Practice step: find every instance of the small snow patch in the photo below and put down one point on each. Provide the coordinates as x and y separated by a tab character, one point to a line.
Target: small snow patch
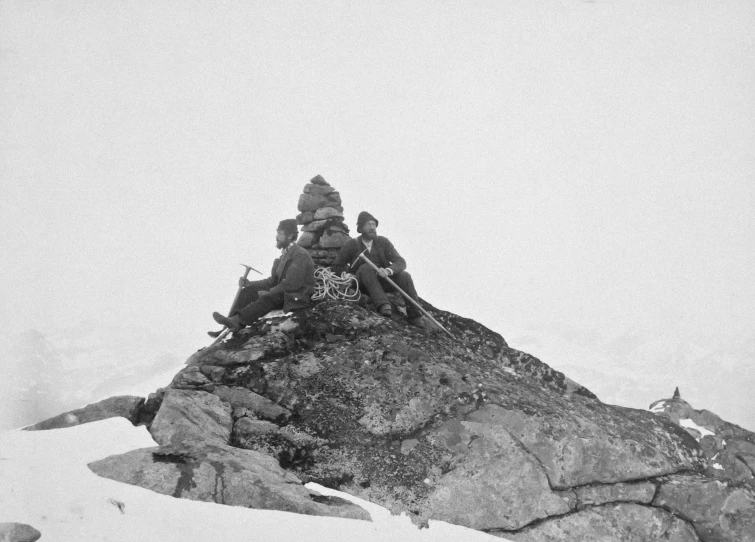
659	406
717	466
689	424
276	314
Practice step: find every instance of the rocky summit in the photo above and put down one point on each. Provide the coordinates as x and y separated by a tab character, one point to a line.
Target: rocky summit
465	430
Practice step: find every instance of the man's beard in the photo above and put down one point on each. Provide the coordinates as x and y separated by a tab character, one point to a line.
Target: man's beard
282	244
370	235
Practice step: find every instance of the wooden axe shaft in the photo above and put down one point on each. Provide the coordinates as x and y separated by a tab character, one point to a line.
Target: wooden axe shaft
407	296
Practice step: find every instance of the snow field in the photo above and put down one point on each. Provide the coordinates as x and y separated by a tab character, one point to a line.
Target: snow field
45	482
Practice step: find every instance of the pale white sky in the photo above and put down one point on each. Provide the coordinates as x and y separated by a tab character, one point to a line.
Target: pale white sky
533	161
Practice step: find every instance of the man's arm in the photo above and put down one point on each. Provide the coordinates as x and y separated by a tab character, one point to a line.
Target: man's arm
345	258
398	263
262	284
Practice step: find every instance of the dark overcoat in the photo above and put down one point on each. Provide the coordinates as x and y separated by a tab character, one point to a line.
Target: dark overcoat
383	254
293	275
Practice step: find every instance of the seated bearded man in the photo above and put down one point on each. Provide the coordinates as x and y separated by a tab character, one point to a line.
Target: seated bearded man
380	251
289	286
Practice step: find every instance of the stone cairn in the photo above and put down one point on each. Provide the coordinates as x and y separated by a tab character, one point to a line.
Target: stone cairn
323	231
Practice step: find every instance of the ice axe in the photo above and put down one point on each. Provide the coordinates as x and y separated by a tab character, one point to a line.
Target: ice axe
222	333
408	298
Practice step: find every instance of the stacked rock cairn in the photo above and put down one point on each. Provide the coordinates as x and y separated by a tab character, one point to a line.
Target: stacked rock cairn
323	230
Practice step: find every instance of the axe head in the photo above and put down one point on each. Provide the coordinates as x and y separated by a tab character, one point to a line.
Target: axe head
357	258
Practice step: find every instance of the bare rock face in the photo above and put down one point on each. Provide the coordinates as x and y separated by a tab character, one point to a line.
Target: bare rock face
499	485
18	532
190	417
611	523
580	445
642	492
288	444
247	403
719	511
224	475
191	378
126	406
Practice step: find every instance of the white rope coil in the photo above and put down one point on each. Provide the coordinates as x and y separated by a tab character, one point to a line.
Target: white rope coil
328	284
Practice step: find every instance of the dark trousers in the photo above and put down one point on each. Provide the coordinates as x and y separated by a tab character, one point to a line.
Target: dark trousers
250	306
376	287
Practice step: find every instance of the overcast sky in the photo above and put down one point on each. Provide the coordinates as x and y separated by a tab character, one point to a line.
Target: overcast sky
535	162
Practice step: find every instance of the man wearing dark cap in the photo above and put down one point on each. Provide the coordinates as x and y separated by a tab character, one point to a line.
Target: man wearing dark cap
380	251
289	287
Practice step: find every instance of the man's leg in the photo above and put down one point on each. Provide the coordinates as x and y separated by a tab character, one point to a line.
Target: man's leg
368	280
404	281
260	307
248	294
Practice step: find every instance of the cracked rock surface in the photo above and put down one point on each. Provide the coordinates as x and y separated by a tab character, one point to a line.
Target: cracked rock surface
221	474
611	523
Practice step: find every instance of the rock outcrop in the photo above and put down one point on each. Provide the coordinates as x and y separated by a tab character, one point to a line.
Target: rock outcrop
719	511
18	532
189	417
126	406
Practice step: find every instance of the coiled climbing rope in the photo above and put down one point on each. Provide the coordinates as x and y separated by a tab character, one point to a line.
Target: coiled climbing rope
328	284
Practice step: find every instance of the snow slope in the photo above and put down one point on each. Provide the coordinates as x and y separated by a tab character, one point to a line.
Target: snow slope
45	482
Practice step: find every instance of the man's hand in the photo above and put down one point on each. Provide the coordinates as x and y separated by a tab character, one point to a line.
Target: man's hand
263	293
244	282
384	273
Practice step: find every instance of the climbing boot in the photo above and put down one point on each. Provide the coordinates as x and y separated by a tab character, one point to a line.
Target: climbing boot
417	321
233	323
385	310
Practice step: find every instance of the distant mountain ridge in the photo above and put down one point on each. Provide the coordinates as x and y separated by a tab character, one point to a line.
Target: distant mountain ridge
49	371
633	367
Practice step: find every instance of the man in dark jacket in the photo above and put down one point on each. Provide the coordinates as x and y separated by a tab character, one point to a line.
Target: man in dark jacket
381	252
289	287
